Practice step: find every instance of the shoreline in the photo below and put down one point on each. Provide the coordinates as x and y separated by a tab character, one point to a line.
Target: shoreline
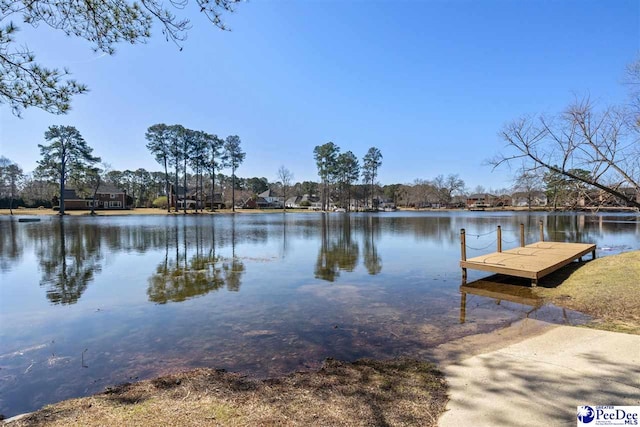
441	356
451	375
155	211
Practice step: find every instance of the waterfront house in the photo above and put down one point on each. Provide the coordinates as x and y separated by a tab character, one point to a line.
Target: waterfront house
481	200
108	197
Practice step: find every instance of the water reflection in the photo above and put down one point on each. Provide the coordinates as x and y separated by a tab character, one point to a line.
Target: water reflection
68	263
338	250
194	269
11	246
500	288
370	235
70	251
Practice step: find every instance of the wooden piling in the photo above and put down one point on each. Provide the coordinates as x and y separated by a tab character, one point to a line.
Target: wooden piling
541	231
463	252
499	239
522	235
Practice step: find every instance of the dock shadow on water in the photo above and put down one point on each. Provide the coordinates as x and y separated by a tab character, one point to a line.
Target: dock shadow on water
515	293
92	302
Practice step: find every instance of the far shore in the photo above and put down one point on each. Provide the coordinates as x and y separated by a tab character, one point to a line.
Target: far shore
157	211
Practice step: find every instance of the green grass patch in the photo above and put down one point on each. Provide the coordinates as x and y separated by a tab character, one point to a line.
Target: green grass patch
608	289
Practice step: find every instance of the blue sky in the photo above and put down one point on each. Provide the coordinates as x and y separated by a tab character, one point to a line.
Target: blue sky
430	83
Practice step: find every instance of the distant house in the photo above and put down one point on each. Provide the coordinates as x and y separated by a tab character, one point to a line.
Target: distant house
603	198
303	201
107	197
195	198
264	200
384	204
293	202
271	200
355	205
191	203
218	201
254	203
528	199
481	200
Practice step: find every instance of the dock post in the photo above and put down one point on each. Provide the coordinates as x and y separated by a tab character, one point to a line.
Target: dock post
522	235
499	239
463	252
541	231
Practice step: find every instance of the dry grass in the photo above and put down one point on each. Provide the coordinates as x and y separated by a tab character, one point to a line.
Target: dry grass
607	288
364	393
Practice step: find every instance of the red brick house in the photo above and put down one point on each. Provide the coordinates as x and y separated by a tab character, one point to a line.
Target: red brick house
108	197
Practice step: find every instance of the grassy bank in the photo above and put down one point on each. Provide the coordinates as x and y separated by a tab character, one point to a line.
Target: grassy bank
363	393
607	288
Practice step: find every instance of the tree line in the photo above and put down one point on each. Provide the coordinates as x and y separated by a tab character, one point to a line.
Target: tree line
182	149
338	173
196	159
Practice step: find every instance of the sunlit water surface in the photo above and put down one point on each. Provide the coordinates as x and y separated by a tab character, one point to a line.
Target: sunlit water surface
90	302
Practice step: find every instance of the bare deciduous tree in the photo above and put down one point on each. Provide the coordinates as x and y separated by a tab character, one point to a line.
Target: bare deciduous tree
285	177
528	182
446	187
605	143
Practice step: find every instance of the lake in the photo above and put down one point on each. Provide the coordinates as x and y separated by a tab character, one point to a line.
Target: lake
90	302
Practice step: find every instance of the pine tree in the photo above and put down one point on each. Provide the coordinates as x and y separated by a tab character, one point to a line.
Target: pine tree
67	153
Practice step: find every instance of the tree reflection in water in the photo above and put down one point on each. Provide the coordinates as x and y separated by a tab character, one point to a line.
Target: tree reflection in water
371	231
194	271
68	263
11	247
336	254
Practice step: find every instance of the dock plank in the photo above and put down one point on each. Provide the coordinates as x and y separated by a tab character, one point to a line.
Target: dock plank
531	261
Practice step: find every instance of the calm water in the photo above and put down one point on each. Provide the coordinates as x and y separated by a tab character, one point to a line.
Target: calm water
90	302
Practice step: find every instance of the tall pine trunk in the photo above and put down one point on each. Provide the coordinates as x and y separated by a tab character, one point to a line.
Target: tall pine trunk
233	189
175	188
61	211
184	183
213	186
95	192
166	185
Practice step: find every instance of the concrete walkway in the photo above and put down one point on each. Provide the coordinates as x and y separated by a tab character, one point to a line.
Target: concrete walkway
538	376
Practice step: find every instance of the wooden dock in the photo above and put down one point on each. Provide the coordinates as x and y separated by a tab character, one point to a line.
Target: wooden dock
529	261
